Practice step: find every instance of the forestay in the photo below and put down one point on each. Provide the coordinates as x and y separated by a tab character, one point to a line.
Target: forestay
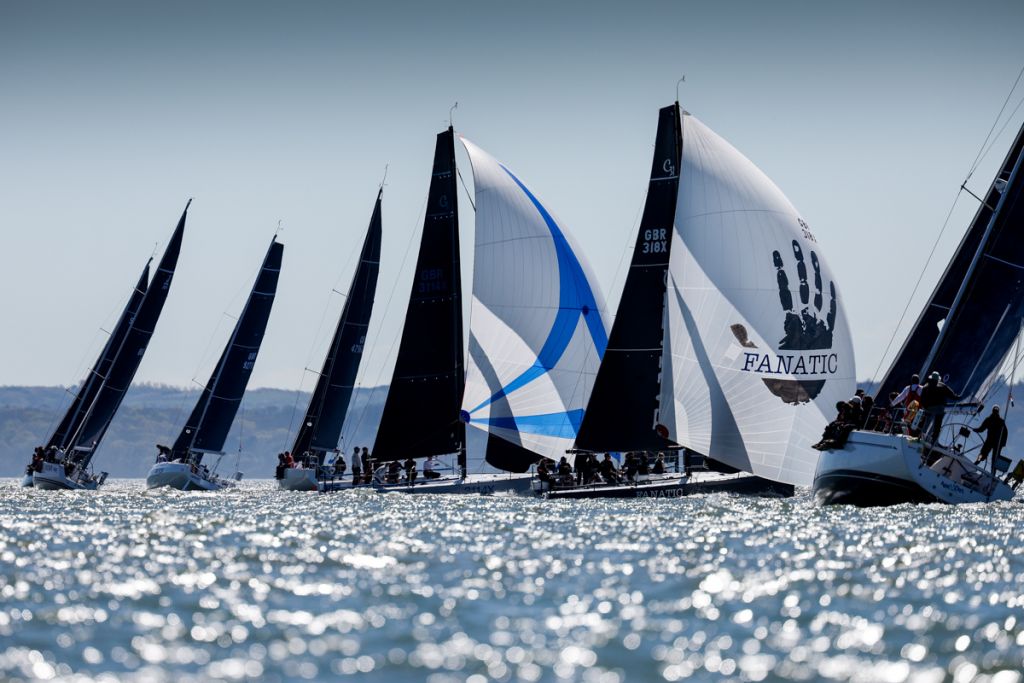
536	329
760	345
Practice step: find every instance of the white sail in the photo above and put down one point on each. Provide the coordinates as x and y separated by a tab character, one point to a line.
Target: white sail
759	342
536	333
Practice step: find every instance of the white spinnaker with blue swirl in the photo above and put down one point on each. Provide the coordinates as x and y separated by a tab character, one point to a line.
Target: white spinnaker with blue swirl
759	342
536	334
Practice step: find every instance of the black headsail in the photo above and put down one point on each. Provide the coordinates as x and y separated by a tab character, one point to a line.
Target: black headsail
131	350
421	414
325	415
975	311
208	425
90	386
622	413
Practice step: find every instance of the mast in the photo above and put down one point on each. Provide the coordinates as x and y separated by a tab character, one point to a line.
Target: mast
208	425
325	415
86	394
421	412
131	349
623	408
968	311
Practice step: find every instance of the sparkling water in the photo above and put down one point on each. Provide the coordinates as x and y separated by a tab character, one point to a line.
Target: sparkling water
261	584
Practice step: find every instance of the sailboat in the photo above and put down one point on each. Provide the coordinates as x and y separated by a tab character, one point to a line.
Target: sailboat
65	462
181	466
757	339
325	415
966	331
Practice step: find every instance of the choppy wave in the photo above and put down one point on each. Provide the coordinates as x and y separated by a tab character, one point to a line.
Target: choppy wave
260	584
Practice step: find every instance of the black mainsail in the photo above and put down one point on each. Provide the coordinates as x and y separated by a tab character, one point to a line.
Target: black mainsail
622	413
975	312
130	351
208	425
325	415
421	413
86	394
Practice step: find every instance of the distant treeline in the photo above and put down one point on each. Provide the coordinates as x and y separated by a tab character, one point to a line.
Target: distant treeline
265	425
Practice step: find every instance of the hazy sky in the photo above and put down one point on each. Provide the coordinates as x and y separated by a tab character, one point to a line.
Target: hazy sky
867	115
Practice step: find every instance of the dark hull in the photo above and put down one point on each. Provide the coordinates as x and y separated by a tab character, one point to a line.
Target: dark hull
678	488
866	489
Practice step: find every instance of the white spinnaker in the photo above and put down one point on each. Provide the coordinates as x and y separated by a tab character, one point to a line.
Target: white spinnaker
754	383
536	329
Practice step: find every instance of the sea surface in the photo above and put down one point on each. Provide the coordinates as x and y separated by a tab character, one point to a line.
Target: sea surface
265	585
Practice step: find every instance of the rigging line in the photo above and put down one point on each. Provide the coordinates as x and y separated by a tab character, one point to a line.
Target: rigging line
1005	124
982	152
630	237
917	284
383	316
469	197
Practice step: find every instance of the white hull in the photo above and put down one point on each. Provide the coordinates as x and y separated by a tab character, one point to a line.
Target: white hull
476	484
887	469
26	481
53	478
298	479
184	477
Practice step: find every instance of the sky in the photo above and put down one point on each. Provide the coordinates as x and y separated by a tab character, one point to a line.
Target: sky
868	116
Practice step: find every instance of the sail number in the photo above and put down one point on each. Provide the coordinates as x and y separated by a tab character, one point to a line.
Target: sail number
250	361
806	230
358	346
655	241
432	280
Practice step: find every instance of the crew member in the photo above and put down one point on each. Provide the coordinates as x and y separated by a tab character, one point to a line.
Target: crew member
934	397
996	433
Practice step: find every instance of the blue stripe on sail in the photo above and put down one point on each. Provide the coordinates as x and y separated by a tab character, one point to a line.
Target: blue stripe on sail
563	425
575	299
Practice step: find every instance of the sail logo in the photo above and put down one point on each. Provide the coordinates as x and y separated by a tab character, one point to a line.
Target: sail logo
668	167
807	327
442	201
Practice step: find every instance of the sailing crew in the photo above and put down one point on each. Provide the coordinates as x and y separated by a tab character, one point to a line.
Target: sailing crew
910	393
289	461
357	467
339	465
995	438
659	464
410	470
393	472
608	470
934	397
564	472
367	464
431	467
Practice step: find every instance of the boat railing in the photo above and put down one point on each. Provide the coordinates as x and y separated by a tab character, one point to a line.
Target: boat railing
958	441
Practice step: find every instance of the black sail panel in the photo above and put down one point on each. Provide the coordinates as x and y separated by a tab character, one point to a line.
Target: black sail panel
90	387
421	413
988	317
325	415
508	456
133	346
621	414
208	426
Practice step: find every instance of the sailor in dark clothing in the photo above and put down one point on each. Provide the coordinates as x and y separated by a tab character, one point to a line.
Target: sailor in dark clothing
934	397
564	472
629	466
995	430
659	464
608	470
410	470
543	472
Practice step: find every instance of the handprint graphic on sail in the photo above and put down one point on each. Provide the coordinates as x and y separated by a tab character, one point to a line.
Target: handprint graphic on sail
804	330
